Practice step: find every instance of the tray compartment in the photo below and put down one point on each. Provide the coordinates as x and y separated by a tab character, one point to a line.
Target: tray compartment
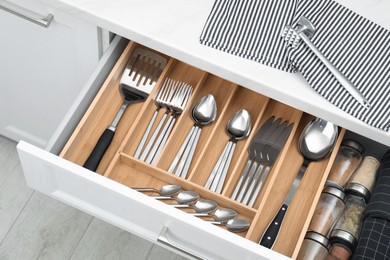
255	104
278	110
135	174
177	71
302	207
101	113
223	92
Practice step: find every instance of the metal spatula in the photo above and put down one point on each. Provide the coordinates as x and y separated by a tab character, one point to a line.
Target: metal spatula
138	80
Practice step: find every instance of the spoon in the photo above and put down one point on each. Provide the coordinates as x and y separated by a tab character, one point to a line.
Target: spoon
238	128
200	206
166	190
183	197
235	225
315	143
203	113
220	215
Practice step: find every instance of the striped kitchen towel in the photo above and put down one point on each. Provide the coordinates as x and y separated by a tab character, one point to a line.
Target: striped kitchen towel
250	29
357	47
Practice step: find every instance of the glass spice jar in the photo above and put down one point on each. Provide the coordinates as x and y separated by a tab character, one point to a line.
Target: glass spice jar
339	252
346	231
348	158
329	208
363	180
314	247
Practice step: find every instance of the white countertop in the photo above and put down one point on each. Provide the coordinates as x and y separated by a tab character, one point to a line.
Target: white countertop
174	26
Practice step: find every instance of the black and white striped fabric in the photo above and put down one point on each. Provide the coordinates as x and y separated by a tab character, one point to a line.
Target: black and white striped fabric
374	240
359	48
250	29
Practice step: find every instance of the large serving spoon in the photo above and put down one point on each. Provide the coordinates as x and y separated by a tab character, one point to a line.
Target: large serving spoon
200	206
315	143
235	225
166	190
238	128
203	113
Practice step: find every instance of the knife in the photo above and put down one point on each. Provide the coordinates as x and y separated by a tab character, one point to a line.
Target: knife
270	235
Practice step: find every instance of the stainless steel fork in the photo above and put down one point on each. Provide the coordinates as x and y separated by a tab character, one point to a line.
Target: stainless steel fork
175	106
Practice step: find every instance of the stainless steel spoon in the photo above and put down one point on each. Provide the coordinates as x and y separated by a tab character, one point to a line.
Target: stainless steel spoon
238	128
315	143
235	225
220	215
166	190
200	206
183	197
203	113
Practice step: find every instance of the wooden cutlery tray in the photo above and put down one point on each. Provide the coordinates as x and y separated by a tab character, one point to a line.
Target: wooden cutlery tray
118	163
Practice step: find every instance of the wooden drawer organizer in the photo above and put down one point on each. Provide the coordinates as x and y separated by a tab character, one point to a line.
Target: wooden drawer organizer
119	165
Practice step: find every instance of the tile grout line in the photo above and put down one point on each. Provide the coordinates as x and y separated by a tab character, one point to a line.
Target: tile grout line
81	237
13	223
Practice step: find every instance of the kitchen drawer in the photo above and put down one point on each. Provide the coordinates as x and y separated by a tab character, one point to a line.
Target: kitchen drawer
108	194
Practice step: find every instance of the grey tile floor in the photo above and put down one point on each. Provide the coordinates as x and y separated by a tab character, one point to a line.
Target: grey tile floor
35	226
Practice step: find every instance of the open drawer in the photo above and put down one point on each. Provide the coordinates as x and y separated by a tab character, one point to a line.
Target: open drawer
109	195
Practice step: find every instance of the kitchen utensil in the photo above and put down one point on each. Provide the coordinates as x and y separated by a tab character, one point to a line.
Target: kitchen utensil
166	190
271	153
220	215
238	128
174	97
234	225
264	129
138	80
305	30
260	148
315	143
203	113
200	206
183	197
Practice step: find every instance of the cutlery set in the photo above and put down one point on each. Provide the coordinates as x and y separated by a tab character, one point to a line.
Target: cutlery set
138	80
201	207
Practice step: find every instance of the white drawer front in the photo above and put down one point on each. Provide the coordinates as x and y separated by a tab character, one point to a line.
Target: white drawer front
130	210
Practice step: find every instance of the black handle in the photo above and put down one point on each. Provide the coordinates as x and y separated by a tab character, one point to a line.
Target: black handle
269	236
97	153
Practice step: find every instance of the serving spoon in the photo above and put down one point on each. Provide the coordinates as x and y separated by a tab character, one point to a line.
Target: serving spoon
315	143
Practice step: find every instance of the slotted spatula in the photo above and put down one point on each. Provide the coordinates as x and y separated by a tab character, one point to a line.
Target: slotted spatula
138	80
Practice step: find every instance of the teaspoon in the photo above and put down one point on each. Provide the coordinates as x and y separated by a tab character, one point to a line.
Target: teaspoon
200	206
220	215
235	225
166	190
238	128
203	113
315	143
183	197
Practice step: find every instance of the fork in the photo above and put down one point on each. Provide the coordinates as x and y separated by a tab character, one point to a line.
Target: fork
272	150
163	96
175	106
256	168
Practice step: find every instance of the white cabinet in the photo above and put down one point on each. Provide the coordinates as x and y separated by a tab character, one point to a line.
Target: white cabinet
42	70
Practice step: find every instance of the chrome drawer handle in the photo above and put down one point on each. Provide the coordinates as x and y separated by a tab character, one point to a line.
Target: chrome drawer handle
162	238
44	22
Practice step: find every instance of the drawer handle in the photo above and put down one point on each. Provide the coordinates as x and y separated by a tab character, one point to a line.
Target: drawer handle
44	22
162	238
